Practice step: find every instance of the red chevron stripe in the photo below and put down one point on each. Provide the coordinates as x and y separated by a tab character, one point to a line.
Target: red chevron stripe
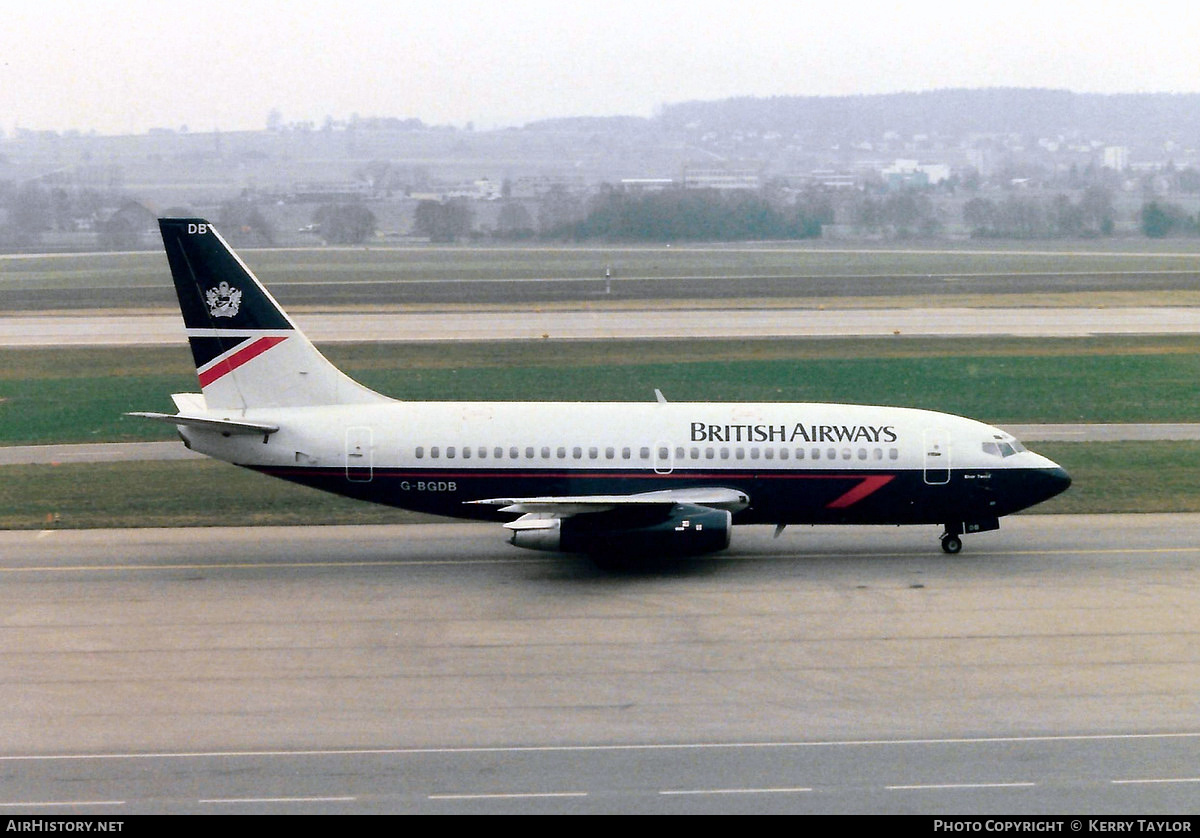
869	485
231	363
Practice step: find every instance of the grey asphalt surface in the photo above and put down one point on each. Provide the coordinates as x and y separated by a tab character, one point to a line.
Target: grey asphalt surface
1051	667
104	292
167	329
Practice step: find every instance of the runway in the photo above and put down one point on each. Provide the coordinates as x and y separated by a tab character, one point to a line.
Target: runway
115	329
1052	666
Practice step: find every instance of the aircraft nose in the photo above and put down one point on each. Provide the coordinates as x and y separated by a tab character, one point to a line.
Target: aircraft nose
1058	479
1048	482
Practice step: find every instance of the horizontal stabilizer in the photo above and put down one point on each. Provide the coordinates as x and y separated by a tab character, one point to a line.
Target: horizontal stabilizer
226	426
716	498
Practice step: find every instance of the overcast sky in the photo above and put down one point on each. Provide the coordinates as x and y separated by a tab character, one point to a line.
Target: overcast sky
121	67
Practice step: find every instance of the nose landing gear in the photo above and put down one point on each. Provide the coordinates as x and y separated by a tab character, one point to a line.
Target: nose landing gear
952	537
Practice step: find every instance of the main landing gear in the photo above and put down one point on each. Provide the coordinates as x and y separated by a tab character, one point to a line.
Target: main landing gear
951	543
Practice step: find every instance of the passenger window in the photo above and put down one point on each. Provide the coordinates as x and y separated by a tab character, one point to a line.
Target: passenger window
449	452
577	453
754	453
893	454
562	453
420	452
433	452
709	453
466	452
545	453
593	453
514	452
610	453
645	452
724	453
783	453
626	453
739	453
769	453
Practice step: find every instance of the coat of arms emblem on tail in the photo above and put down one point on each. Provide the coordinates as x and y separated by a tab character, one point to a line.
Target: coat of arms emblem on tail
223	301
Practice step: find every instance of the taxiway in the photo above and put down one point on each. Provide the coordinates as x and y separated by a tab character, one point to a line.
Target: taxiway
1052	666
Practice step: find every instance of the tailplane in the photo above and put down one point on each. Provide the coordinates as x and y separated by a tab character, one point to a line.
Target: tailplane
248	352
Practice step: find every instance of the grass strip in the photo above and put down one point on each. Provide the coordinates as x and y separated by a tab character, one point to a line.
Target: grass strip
49	396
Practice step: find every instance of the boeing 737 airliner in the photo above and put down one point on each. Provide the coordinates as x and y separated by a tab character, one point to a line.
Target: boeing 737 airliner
653	478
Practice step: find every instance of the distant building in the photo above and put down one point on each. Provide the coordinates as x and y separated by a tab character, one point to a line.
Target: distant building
535	186
1116	157
647	184
317	192
482	189
913	173
709	178
829	179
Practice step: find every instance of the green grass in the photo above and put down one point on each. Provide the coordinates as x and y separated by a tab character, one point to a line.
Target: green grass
1125	476
49	396
1108	477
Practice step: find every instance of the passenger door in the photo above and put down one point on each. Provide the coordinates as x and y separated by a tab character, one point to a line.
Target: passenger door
937	457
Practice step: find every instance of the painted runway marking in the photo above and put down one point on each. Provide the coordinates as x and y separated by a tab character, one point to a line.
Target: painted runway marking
784	790
65	803
534	749
1160	780
236	800
267	565
507	795
1082	551
936	786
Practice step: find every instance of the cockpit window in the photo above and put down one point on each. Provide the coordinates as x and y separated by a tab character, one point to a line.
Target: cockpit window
1002	449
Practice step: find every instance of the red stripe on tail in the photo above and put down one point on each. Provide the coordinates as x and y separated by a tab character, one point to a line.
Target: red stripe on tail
231	363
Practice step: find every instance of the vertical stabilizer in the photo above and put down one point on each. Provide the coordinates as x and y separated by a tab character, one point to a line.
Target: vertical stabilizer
248	352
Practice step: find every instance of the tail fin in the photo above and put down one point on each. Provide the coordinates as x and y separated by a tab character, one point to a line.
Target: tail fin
248	352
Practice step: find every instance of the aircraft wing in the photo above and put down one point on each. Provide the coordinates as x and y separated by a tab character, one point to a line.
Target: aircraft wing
730	500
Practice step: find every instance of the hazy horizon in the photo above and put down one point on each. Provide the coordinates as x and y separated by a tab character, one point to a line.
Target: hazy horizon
127	67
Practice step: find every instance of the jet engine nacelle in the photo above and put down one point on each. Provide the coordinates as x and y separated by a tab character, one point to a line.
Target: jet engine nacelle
681	530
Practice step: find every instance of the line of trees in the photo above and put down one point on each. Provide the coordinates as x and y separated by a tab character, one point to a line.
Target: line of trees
1018	217
696	215
1159	219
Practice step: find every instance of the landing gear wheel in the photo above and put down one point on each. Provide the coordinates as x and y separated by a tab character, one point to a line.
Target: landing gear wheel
951	543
